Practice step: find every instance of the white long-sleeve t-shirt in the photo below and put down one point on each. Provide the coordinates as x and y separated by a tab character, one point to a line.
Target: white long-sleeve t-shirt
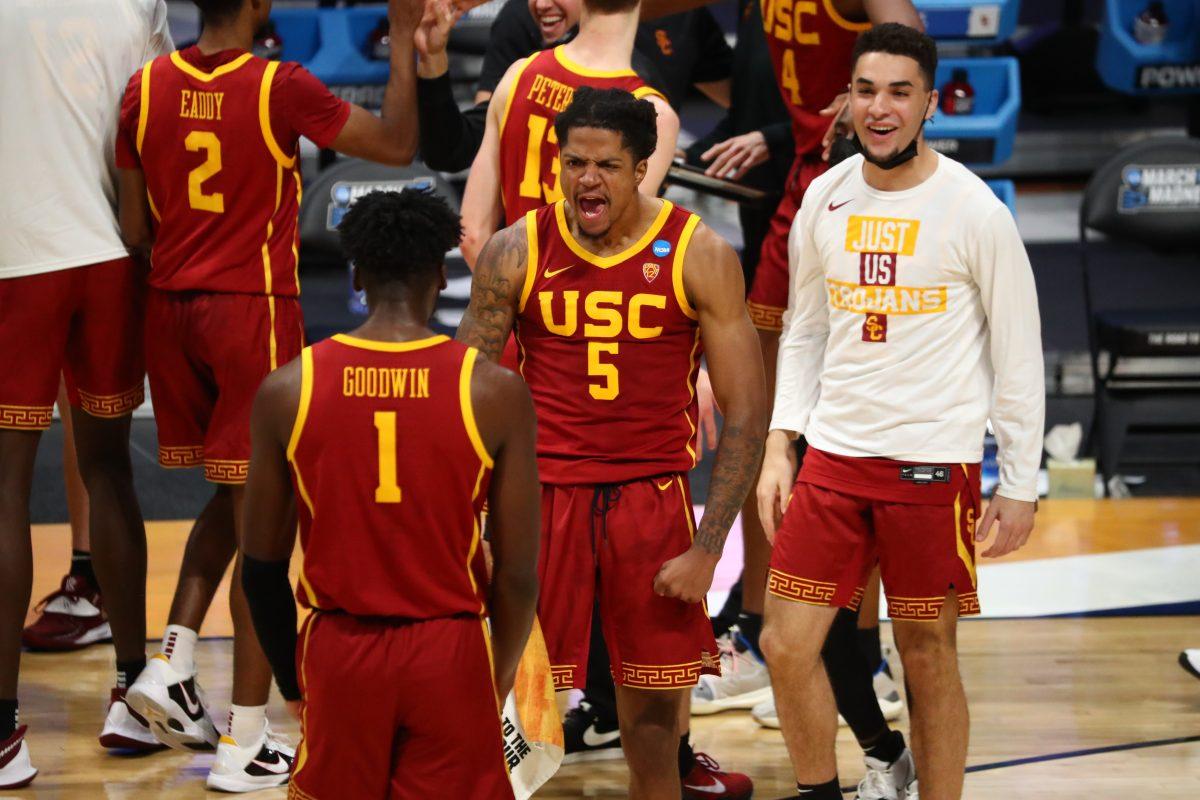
912	319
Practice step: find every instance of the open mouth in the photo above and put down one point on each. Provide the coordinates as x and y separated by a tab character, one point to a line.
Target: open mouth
550	24
592	207
881	133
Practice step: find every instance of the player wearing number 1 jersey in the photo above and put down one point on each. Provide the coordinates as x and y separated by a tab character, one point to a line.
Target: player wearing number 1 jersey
612	295
211	185
518	167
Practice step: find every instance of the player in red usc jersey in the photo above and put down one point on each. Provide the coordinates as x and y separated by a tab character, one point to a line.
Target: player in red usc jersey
392	438
211	185
518	166
612	295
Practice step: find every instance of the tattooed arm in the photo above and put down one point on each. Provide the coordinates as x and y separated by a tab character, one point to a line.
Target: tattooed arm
712	280
496	291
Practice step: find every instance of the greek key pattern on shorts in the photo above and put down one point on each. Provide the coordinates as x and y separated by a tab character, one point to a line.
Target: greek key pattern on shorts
790	587
26	418
219	470
855	599
563	677
112	405
648	676
767	318
930	607
968	604
177	457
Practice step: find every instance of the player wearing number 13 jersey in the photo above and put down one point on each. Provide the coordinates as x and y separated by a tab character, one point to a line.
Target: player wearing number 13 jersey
612	295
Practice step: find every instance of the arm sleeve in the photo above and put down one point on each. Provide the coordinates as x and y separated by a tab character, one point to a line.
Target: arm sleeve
509	42
306	107
805	329
127	122
273	609
1001	270
449	138
779	138
716	56
159	43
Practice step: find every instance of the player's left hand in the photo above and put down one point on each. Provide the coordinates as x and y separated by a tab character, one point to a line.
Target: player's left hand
433	34
1016	523
706	402
686	577
839	110
734	157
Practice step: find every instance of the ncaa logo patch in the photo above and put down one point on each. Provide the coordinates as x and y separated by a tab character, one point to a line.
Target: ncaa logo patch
661	248
650	270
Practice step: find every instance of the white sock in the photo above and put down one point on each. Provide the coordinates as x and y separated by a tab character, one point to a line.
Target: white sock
246	723
179	646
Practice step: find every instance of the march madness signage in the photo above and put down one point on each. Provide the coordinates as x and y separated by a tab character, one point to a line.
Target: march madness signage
1159	187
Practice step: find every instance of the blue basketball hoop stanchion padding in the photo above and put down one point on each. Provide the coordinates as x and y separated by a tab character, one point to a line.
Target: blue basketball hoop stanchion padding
331	43
1169	67
974	22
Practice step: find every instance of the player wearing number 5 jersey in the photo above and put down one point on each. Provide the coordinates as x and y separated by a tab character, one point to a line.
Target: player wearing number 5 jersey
210	178
518	167
612	295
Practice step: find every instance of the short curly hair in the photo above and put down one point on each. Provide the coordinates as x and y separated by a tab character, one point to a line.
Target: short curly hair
218	10
399	237
612	110
899	40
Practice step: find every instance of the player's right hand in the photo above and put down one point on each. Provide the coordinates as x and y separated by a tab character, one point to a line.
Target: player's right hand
775	481
839	126
433	33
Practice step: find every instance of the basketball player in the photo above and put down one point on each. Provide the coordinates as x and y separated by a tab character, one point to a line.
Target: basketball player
393	437
914	320
70	305
611	294
518	165
210	177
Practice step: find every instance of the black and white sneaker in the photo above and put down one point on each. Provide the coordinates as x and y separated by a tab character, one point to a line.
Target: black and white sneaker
588	738
261	764
174	705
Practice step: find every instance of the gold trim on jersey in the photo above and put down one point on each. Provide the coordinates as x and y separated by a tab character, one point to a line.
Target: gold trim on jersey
468	410
296	236
264	118
604	262
841	21
475	539
302	749
531	262
681	246
642	92
512	90
388	347
306	389
691	396
588	72
201	75
143	118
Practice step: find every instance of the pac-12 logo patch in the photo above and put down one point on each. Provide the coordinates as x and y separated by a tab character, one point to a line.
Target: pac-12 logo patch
662	248
650	270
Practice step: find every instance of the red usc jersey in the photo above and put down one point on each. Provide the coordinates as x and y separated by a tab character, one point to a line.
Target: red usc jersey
391	474
544	85
810	47
216	137
609	347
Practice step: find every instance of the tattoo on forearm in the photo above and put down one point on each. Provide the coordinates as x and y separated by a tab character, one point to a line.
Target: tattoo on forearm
739	453
495	291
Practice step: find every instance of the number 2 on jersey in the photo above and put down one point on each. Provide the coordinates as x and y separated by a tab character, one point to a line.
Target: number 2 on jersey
211	145
388	491
540	130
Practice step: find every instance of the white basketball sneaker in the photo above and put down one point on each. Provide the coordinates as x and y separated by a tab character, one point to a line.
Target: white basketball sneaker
261	764
887	693
174	705
15	769
743	683
883	781
125	729
765	714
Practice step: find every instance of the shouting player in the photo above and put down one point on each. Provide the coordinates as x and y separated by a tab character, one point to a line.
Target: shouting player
612	293
914	321
518	167
394	438
211	178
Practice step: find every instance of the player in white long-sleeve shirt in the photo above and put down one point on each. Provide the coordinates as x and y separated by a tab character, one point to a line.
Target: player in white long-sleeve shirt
913	319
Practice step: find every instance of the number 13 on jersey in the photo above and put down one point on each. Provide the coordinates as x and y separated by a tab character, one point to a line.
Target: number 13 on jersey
540	131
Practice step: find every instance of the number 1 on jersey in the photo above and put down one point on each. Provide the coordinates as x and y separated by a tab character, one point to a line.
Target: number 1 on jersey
385	425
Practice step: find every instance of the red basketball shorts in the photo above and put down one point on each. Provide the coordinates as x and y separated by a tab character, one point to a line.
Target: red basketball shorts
398	710
769	293
917	521
206	355
609	541
82	323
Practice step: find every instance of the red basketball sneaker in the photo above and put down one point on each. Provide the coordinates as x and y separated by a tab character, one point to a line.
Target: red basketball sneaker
706	781
72	617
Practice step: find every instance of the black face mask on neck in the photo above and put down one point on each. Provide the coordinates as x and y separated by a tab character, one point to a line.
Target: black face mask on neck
906	154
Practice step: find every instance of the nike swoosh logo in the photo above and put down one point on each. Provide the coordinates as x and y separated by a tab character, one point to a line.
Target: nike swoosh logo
593	738
549	273
716	788
662	487
192	706
279	766
833	207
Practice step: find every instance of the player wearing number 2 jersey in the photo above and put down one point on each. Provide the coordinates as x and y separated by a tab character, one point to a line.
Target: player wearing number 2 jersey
209	157
518	165
612	294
